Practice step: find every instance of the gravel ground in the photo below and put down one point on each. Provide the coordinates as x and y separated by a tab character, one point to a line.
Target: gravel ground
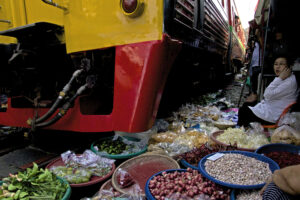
233	91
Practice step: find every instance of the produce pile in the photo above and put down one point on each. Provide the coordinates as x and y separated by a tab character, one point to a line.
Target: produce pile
113	147
193	157
33	184
73	176
186	185
80	168
119	145
243	139
284	159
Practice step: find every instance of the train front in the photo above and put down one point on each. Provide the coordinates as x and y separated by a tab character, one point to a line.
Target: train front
84	65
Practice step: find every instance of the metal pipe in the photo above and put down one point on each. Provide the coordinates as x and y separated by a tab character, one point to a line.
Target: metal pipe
50	2
5	21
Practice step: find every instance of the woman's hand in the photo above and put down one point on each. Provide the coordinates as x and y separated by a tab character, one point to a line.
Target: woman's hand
285	73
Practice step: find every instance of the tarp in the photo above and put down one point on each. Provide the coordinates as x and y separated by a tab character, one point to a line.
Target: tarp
262	9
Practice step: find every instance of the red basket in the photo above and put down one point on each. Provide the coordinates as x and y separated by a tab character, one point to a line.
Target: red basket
93	180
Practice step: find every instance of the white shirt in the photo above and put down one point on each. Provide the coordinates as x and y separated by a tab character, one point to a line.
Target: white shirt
256	60
278	95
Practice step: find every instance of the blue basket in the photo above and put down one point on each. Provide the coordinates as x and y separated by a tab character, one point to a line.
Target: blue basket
268	148
273	166
186	164
148	194
232	195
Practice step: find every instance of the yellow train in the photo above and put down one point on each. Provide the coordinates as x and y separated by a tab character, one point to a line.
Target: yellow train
96	66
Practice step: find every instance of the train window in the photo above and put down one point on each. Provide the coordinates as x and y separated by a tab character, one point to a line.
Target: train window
223	3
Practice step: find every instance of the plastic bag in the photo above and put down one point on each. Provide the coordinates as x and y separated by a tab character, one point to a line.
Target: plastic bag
170	149
124	178
134	145
168	136
161	125
291	119
255	128
98	165
113	195
286	134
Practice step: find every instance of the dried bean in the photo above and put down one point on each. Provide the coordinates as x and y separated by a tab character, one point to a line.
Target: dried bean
238	169
246	195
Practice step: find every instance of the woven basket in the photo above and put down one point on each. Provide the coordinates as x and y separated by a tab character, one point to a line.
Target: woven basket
156	161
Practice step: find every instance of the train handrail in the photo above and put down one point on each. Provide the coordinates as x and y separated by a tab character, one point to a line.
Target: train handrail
5	21
50	2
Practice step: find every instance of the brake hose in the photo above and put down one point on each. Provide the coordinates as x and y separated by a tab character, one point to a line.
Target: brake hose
64	108
57	102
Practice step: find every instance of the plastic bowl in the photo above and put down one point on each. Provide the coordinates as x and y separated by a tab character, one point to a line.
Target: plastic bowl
224	125
147	190
68	192
93	180
186	164
278	147
118	156
214	136
272	165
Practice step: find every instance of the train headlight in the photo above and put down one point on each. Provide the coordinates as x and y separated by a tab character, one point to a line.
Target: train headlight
132	8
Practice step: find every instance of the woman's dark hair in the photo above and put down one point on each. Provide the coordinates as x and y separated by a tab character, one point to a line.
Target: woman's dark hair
288	60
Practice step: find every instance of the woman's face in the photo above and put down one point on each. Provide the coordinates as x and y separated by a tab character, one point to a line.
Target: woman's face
279	65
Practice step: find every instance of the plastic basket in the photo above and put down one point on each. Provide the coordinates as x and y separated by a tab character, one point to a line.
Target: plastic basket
214	136
186	164
272	165
135	167
93	180
234	193
68	192
278	147
118	156
147	190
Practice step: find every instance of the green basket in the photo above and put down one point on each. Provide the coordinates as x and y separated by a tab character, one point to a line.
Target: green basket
119	156
68	192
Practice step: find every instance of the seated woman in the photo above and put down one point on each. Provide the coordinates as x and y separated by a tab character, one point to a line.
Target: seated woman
283	185
281	92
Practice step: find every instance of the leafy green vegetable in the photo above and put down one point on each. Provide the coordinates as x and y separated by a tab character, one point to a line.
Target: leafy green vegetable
35	183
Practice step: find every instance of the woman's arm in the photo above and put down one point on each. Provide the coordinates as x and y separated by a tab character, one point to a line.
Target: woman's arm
279	88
